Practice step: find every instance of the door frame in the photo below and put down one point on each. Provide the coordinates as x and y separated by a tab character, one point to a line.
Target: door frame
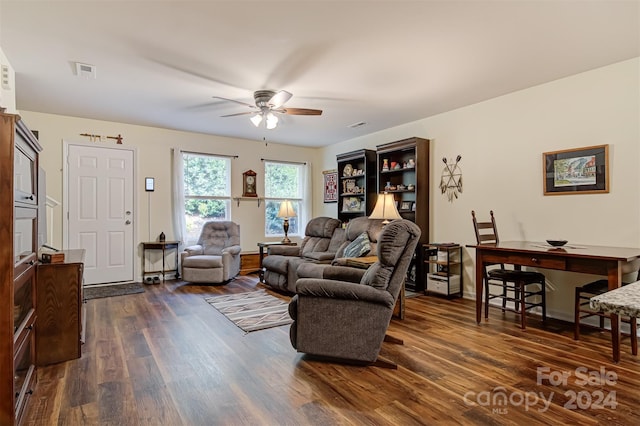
65	192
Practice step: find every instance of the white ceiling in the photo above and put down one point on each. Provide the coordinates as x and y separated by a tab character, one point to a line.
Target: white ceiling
381	62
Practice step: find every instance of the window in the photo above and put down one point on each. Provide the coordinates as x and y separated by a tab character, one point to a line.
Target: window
282	181
207	191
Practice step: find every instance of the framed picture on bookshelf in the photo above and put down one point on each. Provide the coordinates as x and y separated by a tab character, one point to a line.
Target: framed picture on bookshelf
406	205
351	204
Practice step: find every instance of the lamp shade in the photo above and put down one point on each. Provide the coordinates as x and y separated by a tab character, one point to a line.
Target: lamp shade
272	121
256	119
385	208
286	210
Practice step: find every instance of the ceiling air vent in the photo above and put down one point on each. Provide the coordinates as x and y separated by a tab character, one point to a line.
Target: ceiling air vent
358	124
85	70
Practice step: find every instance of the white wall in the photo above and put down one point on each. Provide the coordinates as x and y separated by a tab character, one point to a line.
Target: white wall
501	142
153	159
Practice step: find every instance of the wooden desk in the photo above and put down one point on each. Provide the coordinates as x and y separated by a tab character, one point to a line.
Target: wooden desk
597	260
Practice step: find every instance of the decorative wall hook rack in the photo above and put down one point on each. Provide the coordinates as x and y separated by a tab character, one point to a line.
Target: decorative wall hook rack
99	138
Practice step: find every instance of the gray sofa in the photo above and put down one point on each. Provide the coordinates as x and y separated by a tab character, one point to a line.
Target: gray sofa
346	320
320	249
355	227
323	238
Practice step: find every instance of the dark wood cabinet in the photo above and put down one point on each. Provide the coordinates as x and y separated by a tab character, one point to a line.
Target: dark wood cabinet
59	309
403	170
19	152
357	187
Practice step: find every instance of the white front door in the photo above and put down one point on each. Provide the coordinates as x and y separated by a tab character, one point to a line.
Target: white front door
100	210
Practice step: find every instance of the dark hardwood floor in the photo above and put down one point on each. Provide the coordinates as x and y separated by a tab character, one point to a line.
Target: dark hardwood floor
166	357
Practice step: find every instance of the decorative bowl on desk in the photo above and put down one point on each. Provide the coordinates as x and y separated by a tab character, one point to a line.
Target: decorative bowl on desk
557	243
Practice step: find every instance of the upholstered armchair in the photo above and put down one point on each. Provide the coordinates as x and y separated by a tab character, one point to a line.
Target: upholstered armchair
216	257
323	238
348	321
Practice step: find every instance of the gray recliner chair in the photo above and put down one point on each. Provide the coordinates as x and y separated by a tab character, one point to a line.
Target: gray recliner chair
216	257
348	321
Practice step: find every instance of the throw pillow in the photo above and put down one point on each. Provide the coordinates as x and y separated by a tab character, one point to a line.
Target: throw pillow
358	247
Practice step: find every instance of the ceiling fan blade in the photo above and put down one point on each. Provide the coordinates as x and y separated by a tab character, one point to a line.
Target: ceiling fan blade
238	113
233	100
302	111
279	99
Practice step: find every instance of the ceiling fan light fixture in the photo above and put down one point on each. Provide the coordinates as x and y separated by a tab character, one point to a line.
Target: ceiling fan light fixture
256	119
272	121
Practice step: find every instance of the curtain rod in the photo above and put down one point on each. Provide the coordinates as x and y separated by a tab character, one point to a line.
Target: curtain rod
283	161
207	153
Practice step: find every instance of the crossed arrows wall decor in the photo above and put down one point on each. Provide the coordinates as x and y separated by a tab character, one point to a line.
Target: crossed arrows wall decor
451	179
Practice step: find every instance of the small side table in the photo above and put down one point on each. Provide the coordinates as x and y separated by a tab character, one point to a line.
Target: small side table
365	263
267	244
443	267
164	246
361	262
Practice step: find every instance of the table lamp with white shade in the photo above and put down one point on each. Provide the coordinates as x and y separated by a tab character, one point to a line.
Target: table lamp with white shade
385	208
286	212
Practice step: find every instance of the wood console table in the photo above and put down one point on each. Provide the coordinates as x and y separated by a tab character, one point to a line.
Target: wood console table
164	246
597	260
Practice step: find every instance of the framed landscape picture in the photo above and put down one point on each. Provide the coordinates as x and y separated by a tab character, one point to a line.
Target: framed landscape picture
576	171
330	186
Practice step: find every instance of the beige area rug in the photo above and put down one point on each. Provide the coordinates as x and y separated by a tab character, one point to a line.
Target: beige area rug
255	310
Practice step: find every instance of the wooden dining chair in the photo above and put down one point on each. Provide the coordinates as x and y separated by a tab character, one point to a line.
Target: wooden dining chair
595	288
519	287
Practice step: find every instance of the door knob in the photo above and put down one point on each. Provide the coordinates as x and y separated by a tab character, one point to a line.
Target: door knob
128	212
128	222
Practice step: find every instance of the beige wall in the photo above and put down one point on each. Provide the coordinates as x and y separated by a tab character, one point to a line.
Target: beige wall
501	142
153	159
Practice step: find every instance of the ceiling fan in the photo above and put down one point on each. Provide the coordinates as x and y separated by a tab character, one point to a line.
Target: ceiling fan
269	102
